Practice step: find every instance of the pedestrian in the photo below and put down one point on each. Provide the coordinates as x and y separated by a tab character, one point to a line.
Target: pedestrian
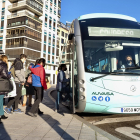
48	83
19	80
3	74
39	83
29	88
61	86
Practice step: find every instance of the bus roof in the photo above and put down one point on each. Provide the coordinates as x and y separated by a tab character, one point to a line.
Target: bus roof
106	15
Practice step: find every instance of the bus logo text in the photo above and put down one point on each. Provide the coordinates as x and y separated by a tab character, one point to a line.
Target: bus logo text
102	93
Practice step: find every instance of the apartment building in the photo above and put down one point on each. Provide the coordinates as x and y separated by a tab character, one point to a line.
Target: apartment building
30	27
62	43
3	23
51	19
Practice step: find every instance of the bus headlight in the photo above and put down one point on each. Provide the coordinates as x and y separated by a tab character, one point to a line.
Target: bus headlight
82	97
82	89
81	82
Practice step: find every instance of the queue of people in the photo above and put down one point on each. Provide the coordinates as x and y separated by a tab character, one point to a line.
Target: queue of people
36	86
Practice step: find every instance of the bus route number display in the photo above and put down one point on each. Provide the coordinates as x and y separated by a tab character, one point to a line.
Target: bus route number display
116	32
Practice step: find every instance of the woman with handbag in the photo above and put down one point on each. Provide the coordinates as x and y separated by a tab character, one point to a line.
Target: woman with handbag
3	74
28	86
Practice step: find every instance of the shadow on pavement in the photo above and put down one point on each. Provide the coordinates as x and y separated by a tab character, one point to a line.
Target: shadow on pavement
3	133
57	131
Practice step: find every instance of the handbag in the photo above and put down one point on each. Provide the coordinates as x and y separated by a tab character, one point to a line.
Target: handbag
13	92
5	85
29	80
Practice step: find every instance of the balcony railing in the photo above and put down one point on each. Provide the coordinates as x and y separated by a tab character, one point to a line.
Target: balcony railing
23	3
23	34
23	45
8	26
40	1
23	13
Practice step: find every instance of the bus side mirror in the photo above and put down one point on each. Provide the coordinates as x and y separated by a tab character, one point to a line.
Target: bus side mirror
70	37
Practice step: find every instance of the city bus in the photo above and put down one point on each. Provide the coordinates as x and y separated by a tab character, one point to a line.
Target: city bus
103	52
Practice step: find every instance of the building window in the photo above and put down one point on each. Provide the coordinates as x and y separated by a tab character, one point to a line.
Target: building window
62	33
62	41
66	35
47	7
50	10
55	12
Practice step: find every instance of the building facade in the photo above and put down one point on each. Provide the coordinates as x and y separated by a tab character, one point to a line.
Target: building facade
30	27
62	43
51	19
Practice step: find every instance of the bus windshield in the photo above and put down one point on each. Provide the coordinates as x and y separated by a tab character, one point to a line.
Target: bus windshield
110	45
105	56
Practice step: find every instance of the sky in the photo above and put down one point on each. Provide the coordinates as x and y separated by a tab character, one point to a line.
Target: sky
71	9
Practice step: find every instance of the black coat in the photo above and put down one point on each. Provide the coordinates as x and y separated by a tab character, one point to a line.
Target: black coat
4	72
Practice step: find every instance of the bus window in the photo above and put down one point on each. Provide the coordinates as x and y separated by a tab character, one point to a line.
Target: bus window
97	59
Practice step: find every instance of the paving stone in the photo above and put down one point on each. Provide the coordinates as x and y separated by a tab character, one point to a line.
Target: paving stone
32	138
87	137
38	132
23	132
70	136
14	137
74	127
102	138
69	131
51	138
54	134
3	135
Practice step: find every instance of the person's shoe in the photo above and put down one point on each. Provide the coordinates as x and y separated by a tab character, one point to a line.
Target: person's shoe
11	108
40	112
31	114
7	110
3	117
18	111
24	105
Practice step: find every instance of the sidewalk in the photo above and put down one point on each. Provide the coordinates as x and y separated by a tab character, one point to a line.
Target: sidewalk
50	126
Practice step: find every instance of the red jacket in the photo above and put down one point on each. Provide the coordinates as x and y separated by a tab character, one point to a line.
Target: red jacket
38	76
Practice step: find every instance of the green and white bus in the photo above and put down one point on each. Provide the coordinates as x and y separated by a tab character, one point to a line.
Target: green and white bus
101	79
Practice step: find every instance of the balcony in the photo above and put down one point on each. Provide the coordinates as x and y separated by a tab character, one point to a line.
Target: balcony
23	45
23	13
59	5
59	15
23	34
19	24
22	5
58	38
40	1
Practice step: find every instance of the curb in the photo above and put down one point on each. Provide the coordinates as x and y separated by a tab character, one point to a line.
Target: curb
95	128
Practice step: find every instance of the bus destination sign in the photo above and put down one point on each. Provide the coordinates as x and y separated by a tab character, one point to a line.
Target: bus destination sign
117	32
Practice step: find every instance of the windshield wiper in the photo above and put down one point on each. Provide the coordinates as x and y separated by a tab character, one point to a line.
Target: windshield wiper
113	73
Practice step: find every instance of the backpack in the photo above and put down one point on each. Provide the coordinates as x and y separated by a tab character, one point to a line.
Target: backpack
12	70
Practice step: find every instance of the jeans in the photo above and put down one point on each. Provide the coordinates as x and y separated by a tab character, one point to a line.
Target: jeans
59	96
38	98
15	100
58	99
1	105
